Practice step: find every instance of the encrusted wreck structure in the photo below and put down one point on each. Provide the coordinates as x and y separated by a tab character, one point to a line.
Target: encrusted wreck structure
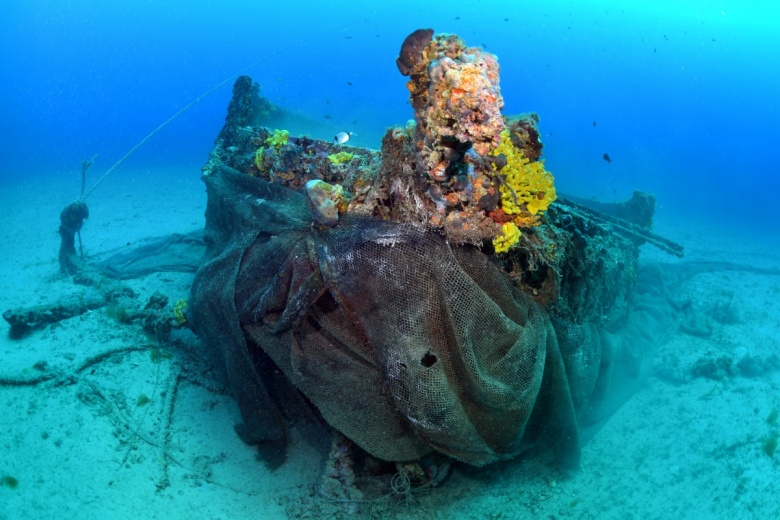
433	301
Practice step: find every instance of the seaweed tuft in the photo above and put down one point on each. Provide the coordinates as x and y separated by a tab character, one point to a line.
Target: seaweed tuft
119	313
770	445
771	419
9	481
157	354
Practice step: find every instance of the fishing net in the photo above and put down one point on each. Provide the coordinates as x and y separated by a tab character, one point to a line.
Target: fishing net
404	341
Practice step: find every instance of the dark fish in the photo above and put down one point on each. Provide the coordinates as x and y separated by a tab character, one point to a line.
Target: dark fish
457	17
485	46
594	124
607	158
349	83
506	19
326	116
348	37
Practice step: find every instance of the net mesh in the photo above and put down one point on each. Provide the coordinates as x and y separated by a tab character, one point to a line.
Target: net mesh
404	342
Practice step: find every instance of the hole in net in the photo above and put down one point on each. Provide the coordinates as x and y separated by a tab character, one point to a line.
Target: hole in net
428	360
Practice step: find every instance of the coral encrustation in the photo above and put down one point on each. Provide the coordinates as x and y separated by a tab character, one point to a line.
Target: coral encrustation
466	100
456	97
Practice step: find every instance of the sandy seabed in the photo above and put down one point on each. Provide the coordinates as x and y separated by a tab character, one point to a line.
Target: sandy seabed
87	444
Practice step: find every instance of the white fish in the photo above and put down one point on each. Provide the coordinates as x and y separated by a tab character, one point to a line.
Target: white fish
342	137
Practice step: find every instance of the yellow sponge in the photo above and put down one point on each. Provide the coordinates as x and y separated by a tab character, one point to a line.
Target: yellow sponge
509	236
527	188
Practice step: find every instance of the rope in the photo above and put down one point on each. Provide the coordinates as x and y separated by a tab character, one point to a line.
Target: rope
192	104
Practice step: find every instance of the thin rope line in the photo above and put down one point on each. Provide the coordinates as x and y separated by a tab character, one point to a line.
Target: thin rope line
193	103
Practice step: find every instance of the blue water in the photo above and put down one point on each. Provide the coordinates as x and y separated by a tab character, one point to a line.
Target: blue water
683	94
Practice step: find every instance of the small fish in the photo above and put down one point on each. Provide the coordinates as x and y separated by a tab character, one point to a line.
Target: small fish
327	116
349	83
607	158
342	137
506	19
594	124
